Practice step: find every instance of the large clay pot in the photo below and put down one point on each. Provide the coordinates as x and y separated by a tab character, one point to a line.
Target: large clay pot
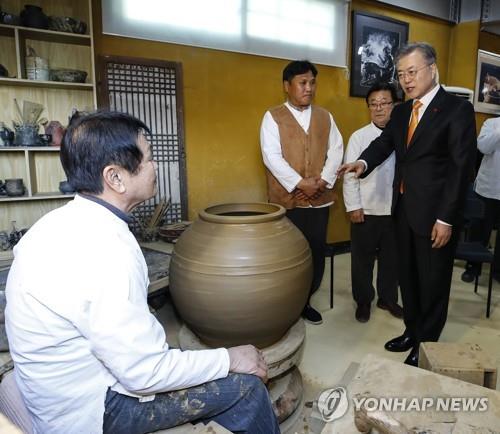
241	274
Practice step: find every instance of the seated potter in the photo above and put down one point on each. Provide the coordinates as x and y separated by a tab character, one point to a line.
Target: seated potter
89	356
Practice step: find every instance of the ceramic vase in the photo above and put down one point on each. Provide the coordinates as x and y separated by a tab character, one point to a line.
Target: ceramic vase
241	274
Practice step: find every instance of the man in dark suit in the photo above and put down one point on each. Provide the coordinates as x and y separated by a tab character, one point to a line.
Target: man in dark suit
434	137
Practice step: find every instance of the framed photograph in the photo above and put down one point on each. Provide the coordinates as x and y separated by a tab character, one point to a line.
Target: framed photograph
487	90
375	40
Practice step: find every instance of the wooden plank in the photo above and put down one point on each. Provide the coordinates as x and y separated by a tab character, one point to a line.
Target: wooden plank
378	377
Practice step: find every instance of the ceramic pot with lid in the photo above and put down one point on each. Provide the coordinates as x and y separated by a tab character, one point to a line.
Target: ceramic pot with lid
241	274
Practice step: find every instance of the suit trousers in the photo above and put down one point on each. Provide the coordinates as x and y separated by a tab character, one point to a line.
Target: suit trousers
374	239
313	223
424	277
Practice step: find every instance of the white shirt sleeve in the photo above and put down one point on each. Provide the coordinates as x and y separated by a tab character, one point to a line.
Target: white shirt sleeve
272	154
488	140
334	155
352	190
131	343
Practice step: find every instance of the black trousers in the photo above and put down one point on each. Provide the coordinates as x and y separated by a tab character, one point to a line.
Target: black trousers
481	231
424	277
374	239
313	223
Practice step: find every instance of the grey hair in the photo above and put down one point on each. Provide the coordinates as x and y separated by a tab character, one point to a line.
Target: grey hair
426	49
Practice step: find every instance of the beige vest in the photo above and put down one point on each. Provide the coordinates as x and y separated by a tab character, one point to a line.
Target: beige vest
305	152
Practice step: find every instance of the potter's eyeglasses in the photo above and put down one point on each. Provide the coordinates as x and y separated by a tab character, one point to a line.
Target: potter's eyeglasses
411	73
382	105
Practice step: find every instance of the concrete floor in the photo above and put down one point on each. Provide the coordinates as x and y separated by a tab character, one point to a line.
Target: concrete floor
331	347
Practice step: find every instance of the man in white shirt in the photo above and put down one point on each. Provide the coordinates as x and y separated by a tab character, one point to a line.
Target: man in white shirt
89	356
368	202
433	135
487	187
302	150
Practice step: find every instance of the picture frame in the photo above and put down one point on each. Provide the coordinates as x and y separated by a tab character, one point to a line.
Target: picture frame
487	89
375	41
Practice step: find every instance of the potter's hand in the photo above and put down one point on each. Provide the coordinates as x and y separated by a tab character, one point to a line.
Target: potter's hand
246	359
440	235
357	167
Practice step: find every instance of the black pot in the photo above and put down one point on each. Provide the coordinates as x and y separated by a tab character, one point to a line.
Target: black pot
65	187
33	16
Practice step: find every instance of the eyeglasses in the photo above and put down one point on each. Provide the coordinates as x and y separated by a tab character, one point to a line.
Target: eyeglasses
382	105
412	73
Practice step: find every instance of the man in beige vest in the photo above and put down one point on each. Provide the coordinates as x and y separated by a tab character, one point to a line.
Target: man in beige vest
302	149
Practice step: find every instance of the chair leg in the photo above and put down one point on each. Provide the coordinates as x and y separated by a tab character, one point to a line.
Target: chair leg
331	282
490	282
476	283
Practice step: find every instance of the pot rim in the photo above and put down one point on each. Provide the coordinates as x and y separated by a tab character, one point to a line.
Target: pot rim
271	211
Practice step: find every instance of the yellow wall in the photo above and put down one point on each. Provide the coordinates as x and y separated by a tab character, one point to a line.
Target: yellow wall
226	95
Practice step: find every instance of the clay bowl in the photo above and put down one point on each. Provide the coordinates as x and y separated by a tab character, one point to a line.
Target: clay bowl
68	75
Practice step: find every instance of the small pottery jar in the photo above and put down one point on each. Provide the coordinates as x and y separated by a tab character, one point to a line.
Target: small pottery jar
56	130
26	135
6	136
241	274
14	187
44	139
33	16
65	187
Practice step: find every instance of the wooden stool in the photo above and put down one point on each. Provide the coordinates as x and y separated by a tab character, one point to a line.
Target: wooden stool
466	362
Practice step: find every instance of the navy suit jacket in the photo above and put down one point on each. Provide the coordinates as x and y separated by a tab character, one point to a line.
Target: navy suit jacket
436	167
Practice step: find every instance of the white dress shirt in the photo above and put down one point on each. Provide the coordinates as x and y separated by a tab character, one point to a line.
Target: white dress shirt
78	322
426	100
276	163
488	177
373	194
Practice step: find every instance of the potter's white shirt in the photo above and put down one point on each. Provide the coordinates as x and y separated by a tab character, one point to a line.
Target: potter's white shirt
373	193
273	156
78	322
488	177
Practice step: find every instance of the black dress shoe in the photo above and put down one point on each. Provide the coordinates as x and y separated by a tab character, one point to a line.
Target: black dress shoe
468	276
311	315
400	344
412	358
394	309
363	312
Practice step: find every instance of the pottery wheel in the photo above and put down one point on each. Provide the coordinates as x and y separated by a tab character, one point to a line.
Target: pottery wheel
280	357
286	393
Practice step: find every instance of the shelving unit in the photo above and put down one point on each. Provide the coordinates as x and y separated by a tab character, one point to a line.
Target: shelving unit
40	167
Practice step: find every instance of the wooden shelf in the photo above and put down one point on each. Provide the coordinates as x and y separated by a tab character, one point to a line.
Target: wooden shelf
45	35
40	166
30	148
45	84
37	196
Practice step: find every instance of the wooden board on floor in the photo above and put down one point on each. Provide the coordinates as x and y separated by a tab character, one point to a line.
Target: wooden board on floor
378	377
